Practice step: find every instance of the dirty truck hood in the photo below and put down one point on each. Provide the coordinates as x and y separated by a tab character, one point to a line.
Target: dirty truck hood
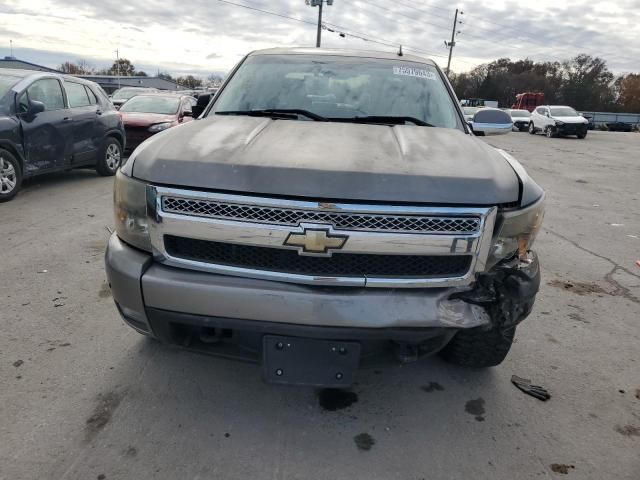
339	161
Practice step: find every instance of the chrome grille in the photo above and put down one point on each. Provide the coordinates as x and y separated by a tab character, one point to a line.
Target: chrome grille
339	220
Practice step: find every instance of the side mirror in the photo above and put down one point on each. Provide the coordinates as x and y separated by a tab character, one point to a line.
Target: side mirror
201	104
35	107
187	113
491	121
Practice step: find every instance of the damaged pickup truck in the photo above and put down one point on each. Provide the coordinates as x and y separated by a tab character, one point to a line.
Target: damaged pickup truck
328	206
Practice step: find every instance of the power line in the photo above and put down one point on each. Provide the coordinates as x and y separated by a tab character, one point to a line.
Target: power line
520	35
345	30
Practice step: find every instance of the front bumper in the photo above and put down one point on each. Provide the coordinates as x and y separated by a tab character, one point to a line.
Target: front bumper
572	129
168	303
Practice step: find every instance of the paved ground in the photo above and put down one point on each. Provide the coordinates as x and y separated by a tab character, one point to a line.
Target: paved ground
84	397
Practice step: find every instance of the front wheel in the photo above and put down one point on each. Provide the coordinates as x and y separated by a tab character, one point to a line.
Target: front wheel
110	157
582	136
479	348
532	129
10	176
549	132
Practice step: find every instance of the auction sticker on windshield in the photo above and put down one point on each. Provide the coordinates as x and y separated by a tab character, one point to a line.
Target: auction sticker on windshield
414	72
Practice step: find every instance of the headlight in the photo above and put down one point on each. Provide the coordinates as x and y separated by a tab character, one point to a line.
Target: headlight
158	127
518	231
130	207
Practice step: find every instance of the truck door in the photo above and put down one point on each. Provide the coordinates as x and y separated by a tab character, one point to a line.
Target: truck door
84	115
48	135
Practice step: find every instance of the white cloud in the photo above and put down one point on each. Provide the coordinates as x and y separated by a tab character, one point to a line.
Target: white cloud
198	36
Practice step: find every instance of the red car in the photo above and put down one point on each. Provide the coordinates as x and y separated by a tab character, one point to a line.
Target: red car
148	114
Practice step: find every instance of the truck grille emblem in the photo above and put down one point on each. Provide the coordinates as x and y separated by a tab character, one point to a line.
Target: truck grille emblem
316	241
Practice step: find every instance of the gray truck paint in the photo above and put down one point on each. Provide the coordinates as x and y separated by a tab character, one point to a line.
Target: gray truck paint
402	163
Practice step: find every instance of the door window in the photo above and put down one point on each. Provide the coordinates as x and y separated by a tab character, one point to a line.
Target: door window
92	96
47	91
77	95
23	103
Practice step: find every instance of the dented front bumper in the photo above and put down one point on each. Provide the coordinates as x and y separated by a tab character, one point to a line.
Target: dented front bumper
150	295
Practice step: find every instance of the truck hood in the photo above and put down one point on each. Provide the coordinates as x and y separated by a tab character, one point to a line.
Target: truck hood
577	119
318	160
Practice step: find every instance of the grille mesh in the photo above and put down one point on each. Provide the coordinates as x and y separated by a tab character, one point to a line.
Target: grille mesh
340	264
339	220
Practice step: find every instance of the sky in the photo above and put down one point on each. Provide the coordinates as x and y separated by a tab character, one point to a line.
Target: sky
205	36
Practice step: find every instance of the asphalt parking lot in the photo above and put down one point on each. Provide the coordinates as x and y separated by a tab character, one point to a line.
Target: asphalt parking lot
85	397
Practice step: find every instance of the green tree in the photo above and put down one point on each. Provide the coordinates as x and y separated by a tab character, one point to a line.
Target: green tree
189	81
629	96
122	67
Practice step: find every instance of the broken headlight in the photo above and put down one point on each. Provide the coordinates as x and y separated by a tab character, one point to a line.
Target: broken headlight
130	208
517	231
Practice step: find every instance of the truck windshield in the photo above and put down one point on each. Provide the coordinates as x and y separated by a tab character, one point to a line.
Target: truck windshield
6	82
340	88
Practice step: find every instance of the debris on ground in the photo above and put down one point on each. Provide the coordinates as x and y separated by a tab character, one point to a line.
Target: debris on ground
535	391
108	230
364	441
628	430
561	468
43	271
17	363
333	399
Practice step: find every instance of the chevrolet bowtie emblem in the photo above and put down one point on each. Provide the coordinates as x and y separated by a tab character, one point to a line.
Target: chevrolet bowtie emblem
316	240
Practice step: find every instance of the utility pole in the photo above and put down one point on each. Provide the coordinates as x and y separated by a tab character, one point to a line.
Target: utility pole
11	45
318	3
452	43
118	67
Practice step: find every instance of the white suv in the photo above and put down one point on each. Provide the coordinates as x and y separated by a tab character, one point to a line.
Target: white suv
558	121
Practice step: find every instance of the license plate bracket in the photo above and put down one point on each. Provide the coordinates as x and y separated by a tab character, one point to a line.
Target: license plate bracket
308	361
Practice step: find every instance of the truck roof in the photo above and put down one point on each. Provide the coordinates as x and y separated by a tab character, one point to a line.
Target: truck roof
342	53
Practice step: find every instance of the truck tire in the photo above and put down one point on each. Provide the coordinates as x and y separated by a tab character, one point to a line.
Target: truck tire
479	348
10	175
109	158
532	129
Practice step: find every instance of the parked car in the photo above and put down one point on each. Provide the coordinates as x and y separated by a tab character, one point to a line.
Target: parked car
619	127
338	208
51	122
469	112
146	115
520	118
558	121
591	125
125	93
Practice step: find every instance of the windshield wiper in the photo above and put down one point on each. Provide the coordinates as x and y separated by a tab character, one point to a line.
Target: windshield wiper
399	120
284	113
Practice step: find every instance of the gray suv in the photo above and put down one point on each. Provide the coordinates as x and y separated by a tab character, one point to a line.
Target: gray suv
328	207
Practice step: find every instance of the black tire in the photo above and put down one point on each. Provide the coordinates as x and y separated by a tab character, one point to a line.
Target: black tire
532	129
549	132
10	175
479	348
582	136
109	157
